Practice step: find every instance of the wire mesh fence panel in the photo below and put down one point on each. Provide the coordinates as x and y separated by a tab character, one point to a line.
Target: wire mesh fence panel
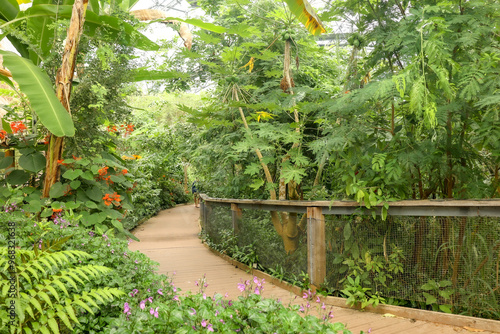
218	226
432	262
437	262
257	233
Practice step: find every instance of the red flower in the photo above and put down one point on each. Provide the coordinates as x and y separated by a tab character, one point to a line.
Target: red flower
3	133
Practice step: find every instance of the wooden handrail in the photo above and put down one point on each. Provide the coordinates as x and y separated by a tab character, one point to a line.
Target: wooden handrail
445	207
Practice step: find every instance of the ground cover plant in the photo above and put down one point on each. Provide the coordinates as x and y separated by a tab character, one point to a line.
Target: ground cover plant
404	106
78	280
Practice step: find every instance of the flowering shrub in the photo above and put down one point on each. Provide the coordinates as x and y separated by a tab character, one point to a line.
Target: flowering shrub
166	311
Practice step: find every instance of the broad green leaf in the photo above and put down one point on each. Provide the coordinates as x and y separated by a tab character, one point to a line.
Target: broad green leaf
95	194
42	33
445	308
347	231
304	12
117	224
72	174
72	205
35	206
38	88
57	190
32	162
8	9
6	162
429	299
75	184
17	177
118	30
6	126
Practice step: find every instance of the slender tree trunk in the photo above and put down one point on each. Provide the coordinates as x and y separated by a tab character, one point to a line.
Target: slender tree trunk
63	83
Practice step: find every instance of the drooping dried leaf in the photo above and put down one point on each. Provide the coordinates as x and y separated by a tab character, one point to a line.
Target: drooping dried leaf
154	14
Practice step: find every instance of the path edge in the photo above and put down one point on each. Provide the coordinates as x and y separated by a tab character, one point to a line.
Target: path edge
466	322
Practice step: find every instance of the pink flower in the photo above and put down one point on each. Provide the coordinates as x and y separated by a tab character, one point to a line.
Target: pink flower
150	299
133	293
318	300
160	291
301	309
142	304
204	296
204	323
323	307
241	287
126	308
176	298
154	312
257	291
209	328
194	311
196	283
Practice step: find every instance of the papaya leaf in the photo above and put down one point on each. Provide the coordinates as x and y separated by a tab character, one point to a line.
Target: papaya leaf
38	88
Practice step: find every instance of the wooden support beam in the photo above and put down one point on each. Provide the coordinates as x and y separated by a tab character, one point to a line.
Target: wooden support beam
236	215
316	248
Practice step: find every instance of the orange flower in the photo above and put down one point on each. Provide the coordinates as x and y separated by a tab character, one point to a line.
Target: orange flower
124	171
112	199
76	158
17	126
103	171
3	133
56	210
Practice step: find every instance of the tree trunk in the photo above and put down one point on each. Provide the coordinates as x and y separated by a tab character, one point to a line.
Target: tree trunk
63	83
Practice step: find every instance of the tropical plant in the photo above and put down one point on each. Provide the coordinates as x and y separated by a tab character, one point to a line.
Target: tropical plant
48	292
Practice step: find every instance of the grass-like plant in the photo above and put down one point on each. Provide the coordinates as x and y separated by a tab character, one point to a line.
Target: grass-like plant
49	288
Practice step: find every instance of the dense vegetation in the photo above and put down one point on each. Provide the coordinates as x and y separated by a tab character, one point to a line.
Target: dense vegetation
405	107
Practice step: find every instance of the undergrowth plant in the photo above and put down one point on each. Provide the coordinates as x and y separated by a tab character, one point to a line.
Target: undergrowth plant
50	288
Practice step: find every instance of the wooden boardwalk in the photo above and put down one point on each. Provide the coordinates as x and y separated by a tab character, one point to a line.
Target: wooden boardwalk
171	239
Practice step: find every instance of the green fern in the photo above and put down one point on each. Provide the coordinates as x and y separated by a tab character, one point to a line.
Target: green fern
49	283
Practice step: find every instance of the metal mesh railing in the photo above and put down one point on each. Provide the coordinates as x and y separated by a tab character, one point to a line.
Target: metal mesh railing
434	262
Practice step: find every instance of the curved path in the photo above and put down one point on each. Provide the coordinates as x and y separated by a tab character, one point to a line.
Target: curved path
171	239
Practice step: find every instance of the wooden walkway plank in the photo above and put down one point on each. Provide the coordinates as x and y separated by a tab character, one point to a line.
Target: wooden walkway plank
172	240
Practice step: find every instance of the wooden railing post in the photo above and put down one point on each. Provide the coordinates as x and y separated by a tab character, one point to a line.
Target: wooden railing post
236	214
316	248
202	215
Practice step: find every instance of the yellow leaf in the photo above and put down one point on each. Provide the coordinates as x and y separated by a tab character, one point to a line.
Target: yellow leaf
264	115
20	2
306	15
250	65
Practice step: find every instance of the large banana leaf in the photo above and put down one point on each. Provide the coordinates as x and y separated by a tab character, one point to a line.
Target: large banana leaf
38	88
306	15
8	9
43	37
115	29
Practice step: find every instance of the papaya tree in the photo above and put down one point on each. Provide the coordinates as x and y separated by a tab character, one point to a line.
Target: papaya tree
253	65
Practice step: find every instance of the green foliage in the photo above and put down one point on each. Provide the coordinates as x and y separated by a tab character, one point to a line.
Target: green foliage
49	286
356	293
443	289
36	85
